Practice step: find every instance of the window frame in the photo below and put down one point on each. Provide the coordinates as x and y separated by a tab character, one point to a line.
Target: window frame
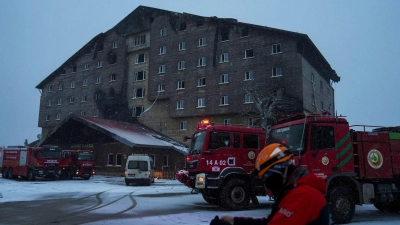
135	112
249	75
163	50
182	46
224	57
275	71
201	82
201	102
181	85
140	74
202	61
140	58
161	69
161	87
183	125
181	65
224	78
136	91
223	100
248	98
246	53
202	42
180	104
276	49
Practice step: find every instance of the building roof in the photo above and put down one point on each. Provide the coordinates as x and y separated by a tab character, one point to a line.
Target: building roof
130	134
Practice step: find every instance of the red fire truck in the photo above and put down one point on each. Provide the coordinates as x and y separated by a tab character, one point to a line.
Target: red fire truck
360	167
219	161
30	162
77	163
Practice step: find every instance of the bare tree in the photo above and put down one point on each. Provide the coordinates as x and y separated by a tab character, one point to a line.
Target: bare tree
270	104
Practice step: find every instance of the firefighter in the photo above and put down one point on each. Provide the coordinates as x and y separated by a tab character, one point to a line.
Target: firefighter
299	195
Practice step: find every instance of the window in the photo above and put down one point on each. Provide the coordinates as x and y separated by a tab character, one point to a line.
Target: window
251	141
322	137
138	92
202	62
140	58
245	32
182	46
163	50
110	159
99	64
137	110
161	69
140	40
224	34
328	92
227	122
83	113
224	100
163	32
321	86
115	44
97	96
72	84
248	53
312	77
165	163
250	121
47	117
59	101
118	159
85	82
83	98
224	79
86	67
60	87
276	71
219	140
248	98
71	99
249	75
98	80
140	75
182	26
224	58
276	48
74	69
50	88
183	125
100	47
58	116
181	85
180	104
201	82
202	42
113	77
181	65
201	102
161	87
96	113
48	102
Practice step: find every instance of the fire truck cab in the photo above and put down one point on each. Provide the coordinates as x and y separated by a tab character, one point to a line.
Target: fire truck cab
219	161
77	163
359	167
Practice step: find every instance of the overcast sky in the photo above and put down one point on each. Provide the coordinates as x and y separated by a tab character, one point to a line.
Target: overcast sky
359	38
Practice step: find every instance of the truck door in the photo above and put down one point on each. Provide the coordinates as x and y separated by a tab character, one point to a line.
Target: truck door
22	158
321	159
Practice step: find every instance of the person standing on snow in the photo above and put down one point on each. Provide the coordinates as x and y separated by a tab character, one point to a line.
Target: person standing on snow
299	195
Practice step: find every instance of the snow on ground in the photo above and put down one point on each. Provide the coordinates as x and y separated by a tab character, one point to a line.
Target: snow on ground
11	190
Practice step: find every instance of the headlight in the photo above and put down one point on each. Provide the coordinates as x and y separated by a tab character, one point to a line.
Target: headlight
200	181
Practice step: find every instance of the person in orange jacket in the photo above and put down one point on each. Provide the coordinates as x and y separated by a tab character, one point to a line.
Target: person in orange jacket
299	195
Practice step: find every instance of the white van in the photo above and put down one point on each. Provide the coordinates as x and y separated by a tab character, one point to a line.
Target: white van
139	169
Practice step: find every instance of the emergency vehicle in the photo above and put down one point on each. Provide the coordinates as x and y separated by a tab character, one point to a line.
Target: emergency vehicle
30	162
219	161
359	167
77	163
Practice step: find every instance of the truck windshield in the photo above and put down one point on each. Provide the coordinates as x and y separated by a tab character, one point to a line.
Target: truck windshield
197	142
85	156
141	165
51	152
290	135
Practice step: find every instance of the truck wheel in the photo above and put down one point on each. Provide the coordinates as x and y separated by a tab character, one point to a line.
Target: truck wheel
31	176
235	195
342	205
10	173
212	199
388	206
4	173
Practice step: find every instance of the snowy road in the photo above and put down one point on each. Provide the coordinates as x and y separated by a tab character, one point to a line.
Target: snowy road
106	200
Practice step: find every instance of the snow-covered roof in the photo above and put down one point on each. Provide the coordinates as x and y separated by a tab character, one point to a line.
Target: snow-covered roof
130	134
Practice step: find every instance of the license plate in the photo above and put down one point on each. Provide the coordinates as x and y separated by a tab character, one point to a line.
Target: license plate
131	175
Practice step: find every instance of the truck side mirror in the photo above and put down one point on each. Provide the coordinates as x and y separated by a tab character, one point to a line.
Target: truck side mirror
186	138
